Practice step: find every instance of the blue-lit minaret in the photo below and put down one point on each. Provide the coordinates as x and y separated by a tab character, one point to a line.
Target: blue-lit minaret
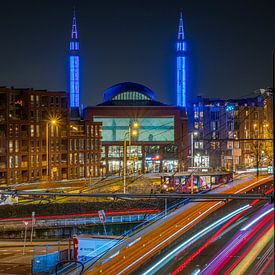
74	65
181	74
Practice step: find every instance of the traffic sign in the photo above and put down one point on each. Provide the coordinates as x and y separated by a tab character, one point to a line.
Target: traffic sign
101	215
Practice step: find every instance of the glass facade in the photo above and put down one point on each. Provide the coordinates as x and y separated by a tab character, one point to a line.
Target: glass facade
150	128
131	95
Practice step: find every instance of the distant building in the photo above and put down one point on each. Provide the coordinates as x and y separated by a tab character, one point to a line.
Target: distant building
230	134
160	146
39	140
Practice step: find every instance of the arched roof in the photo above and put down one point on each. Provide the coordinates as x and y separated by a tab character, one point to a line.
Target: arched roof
128	91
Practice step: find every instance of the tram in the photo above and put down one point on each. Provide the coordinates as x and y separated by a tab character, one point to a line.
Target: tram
194	182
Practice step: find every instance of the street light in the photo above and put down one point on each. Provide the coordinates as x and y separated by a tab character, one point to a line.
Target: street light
131	132
50	122
195	133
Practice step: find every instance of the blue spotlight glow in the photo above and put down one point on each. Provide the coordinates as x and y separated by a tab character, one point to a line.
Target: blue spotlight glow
181	70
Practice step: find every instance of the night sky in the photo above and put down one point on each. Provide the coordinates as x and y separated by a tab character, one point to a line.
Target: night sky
230	45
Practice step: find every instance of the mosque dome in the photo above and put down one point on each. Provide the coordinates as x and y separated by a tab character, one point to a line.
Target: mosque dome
129	94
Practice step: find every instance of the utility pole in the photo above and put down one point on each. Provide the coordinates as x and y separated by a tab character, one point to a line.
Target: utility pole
273	106
257	158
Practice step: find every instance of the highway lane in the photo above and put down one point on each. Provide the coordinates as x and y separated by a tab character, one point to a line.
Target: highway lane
164	232
243	249
196	248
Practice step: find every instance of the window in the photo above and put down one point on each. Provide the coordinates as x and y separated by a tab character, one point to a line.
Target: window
81	144
32	130
11	146
230	145
81	158
214	125
154	128
131	95
37	131
214	115
16	145
37	101
151	149
115	151
230	125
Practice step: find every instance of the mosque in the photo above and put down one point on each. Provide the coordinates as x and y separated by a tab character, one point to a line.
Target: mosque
161	140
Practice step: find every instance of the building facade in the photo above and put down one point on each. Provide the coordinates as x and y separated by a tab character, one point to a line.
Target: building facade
161	143
231	134
39	141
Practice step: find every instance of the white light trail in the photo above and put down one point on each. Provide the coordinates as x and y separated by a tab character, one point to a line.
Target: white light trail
158	265
257	219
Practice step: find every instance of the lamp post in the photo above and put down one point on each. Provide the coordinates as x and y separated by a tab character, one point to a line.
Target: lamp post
52	122
130	132
273	106
195	133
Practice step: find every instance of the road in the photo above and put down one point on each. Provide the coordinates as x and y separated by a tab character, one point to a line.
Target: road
241	254
131	254
214	251
12	260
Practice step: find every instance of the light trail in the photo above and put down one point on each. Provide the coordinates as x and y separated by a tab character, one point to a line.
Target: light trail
129	259
92	214
257	219
209	241
206	244
252	251
167	239
188	242
232	247
266	264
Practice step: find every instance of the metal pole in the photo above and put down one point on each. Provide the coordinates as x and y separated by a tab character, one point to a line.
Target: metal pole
104	228
192	150
257	158
25	238
47	149
192	184
33	217
165	207
124	164
273	107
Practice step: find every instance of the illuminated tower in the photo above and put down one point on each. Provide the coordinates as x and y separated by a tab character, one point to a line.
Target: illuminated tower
74	65
181	74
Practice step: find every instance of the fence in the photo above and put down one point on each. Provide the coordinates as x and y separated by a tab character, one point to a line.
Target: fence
47	256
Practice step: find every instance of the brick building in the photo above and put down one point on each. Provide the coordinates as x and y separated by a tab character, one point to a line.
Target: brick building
40	141
231	134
